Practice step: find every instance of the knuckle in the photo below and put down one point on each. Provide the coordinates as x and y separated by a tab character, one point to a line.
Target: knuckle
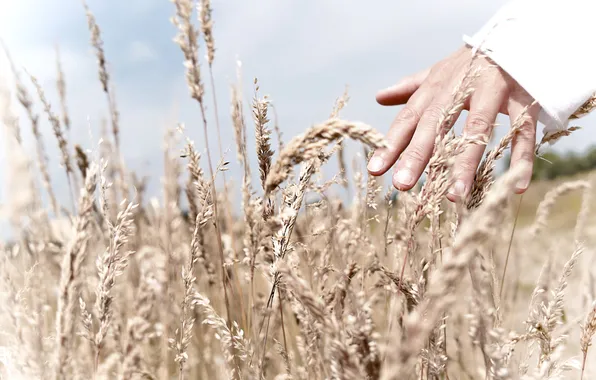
478	124
432	115
415	154
391	147
525	122
527	133
408	115
527	156
434	111
465	166
381	152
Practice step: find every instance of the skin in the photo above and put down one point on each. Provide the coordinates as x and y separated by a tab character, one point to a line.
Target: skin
426	94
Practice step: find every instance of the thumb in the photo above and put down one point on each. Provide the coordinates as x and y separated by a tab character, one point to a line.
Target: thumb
400	92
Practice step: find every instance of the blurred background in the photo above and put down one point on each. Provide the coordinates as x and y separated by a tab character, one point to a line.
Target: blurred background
304	53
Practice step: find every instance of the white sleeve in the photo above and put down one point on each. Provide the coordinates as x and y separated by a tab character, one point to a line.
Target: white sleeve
548	47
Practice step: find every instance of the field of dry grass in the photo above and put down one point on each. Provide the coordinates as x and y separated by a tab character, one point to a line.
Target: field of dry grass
116	285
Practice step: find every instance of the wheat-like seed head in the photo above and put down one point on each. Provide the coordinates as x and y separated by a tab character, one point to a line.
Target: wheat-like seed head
313	285
307	146
264	153
70	278
205	10
57	129
61	86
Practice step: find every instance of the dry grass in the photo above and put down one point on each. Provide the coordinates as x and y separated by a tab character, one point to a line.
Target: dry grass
404	286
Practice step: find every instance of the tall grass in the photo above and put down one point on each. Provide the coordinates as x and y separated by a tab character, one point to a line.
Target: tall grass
400	286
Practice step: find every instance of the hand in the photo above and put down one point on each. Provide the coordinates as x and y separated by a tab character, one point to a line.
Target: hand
426	94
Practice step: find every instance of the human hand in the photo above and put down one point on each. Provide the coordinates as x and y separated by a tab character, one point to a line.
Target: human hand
426	95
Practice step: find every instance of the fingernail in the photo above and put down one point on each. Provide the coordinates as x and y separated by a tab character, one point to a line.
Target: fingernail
523	183
526	176
375	164
404	177
458	189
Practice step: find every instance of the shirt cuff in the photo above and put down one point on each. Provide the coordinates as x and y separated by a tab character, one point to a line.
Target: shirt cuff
545	46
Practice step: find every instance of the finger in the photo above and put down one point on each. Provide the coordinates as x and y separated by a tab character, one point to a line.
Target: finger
400	92
524	142
400	133
417	154
484	108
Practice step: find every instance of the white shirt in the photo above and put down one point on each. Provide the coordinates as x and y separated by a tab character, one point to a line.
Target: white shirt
549	48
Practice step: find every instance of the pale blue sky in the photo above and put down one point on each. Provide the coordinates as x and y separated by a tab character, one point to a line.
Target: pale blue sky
303	52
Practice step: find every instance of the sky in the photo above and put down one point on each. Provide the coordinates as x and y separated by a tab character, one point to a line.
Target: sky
303	52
